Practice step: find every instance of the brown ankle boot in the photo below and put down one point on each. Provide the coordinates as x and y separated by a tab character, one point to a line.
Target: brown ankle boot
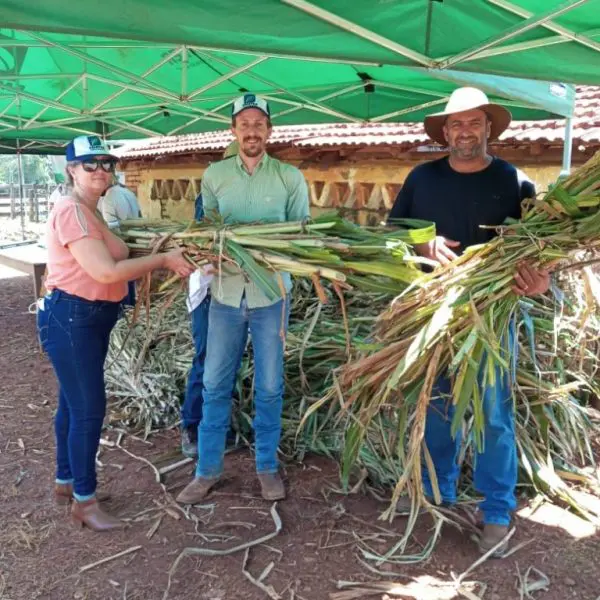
63	494
197	490
90	514
271	486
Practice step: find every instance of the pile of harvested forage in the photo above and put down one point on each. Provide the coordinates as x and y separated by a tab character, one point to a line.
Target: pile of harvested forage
371	412
457	319
554	425
558	377
147	366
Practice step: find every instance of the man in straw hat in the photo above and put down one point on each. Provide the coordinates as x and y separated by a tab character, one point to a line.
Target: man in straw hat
460	193
246	188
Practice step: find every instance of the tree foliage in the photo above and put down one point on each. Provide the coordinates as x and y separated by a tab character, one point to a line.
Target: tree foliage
36	169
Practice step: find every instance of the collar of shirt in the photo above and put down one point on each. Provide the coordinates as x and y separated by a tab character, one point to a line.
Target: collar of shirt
261	164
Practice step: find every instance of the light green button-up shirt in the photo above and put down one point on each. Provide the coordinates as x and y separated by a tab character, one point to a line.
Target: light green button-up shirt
274	193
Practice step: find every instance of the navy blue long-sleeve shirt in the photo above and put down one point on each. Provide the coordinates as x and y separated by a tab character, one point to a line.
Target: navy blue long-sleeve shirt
459	203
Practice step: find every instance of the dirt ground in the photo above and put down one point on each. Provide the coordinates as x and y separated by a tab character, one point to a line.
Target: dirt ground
42	555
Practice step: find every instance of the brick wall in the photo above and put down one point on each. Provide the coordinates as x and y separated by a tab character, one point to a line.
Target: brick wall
133	175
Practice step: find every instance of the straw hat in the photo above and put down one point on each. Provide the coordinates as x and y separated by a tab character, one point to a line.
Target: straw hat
461	100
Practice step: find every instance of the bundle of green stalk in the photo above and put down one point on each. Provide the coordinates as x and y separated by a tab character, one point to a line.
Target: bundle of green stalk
368	258
456	320
375	260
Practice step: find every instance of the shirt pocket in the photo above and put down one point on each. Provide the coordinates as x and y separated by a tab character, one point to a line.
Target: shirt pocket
273	204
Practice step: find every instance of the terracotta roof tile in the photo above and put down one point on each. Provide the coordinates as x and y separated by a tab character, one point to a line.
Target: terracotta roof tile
586	130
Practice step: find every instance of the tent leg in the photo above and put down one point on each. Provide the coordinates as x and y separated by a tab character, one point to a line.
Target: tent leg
21	189
568	147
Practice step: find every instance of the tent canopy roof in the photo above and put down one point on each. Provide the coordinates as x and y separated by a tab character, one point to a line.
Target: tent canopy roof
139	68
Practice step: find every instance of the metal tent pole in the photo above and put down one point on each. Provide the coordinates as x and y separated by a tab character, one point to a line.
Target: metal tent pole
568	147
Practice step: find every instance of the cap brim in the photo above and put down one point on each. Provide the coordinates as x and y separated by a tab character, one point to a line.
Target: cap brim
264	112
499	116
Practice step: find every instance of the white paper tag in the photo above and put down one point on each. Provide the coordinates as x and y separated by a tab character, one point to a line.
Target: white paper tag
198	289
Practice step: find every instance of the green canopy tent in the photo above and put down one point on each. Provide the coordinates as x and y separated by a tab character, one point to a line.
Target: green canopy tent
139	68
539	39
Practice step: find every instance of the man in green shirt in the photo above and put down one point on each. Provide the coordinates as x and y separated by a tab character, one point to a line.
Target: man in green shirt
247	188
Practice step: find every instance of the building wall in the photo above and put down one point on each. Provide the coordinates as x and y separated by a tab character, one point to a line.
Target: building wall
363	189
166	191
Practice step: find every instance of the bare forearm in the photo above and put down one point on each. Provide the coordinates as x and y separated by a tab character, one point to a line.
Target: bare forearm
132	268
95	258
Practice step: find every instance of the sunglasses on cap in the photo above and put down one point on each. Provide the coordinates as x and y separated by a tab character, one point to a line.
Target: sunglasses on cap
93	164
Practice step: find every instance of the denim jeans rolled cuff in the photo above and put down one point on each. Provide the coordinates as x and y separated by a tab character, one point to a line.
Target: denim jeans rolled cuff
83	498
74	333
227	331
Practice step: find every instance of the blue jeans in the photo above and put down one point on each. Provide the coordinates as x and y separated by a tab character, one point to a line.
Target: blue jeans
228	327
495	469
75	333
130	299
191	411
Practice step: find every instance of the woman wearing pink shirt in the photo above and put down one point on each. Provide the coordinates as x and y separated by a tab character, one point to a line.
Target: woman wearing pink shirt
87	277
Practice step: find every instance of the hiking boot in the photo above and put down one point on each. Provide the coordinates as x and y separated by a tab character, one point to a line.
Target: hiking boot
197	490
63	494
89	514
492	535
271	486
189	441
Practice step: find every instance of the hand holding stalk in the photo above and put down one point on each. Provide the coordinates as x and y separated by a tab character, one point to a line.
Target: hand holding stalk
439	250
530	281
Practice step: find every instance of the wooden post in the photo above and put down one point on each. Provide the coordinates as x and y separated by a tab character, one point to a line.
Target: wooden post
21	189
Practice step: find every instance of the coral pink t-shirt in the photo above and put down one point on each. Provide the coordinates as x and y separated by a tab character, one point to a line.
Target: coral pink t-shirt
71	221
